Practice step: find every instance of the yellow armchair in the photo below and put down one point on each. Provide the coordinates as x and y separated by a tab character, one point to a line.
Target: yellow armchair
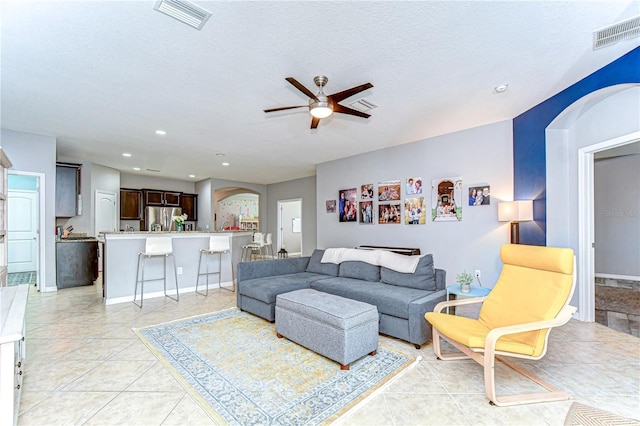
530	297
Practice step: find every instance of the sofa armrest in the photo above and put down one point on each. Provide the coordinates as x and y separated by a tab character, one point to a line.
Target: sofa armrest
270	268
441	279
418	326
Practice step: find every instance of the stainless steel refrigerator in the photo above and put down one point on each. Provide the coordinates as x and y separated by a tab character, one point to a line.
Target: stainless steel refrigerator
161	216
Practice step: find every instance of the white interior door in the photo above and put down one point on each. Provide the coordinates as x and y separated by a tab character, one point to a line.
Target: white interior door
106	215
23	236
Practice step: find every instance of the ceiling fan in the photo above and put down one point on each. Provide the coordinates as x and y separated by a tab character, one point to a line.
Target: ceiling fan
321	105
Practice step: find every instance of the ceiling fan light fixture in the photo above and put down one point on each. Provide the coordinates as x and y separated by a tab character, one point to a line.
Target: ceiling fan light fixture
322	108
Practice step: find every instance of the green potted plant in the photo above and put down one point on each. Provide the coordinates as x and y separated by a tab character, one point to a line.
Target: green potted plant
464	279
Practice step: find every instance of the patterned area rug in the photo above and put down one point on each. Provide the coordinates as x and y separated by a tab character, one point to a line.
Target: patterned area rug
18	278
242	374
583	415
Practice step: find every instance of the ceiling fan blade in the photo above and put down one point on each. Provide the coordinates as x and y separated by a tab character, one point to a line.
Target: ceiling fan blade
301	88
314	122
344	110
285	108
337	97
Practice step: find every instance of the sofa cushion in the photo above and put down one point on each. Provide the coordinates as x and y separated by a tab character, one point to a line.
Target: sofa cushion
390	300
359	270
424	278
266	289
317	267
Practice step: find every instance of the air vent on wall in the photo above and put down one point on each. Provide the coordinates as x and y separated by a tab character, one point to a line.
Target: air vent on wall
183	11
617	32
362	105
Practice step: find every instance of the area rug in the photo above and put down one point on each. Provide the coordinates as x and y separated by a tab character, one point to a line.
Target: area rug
242	374
17	278
584	415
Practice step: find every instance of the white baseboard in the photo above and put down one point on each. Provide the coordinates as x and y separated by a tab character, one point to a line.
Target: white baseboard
155	294
618	277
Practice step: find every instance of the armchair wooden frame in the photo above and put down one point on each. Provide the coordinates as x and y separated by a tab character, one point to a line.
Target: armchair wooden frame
486	356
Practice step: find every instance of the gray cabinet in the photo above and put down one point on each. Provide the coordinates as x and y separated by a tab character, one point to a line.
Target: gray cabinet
76	263
67	189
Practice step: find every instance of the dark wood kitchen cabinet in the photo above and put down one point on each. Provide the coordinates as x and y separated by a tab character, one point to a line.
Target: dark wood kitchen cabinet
67	189
161	198
189	204
130	204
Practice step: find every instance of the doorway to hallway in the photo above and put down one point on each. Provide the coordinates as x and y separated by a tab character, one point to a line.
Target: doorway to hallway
25	248
290	227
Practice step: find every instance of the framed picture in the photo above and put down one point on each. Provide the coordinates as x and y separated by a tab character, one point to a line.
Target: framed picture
415	211
366	191
446	197
479	195
365	209
413	185
389	190
347	205
331	206
389	213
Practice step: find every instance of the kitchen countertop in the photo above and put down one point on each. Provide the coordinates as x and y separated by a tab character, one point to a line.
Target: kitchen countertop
173	232
77	240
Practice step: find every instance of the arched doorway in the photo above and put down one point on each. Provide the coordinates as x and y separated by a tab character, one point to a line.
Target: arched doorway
236	209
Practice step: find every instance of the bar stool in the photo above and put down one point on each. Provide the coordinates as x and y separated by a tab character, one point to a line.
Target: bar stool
255	246
268	245
155	247
218	244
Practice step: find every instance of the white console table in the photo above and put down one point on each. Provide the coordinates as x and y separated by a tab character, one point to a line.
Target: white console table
13	304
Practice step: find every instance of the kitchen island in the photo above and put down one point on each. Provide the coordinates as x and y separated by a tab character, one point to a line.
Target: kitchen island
121	258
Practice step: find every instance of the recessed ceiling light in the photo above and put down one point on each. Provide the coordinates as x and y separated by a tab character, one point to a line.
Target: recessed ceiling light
501	88
225	164
161	132
137	169
192	176
220	154
126	154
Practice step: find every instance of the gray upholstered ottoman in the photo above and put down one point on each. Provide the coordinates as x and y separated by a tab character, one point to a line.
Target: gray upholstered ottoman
338	328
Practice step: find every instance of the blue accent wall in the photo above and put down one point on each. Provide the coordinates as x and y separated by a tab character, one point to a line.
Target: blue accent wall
529	156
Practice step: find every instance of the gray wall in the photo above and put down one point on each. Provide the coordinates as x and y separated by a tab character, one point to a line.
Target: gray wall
304	188
482	155
206	190
92	177
37	153
617	216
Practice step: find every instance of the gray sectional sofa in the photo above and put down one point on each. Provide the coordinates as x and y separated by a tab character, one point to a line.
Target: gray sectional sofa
402	299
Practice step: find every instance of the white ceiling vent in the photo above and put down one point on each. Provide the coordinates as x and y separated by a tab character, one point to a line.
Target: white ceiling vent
183	11
362	105
614	33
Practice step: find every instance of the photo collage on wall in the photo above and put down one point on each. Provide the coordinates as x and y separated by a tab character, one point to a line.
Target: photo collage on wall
446	199
389	194
347	205
415	207
365	207
363	203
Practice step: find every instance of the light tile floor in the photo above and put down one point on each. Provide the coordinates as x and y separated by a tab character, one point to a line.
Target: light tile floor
86	367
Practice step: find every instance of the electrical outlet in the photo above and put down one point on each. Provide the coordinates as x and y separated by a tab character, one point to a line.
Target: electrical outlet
179	270
478	273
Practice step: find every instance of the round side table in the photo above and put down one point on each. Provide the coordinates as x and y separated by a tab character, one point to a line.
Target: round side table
453	291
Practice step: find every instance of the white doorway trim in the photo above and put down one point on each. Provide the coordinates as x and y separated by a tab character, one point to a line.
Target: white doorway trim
41	189
280	224
586	231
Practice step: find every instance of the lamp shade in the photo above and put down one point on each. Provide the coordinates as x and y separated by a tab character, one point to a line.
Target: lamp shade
519	211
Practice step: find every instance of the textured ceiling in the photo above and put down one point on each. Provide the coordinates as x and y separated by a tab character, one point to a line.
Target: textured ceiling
102	76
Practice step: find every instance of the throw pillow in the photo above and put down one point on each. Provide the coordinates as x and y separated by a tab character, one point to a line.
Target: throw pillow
424	278
318	267
361	270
